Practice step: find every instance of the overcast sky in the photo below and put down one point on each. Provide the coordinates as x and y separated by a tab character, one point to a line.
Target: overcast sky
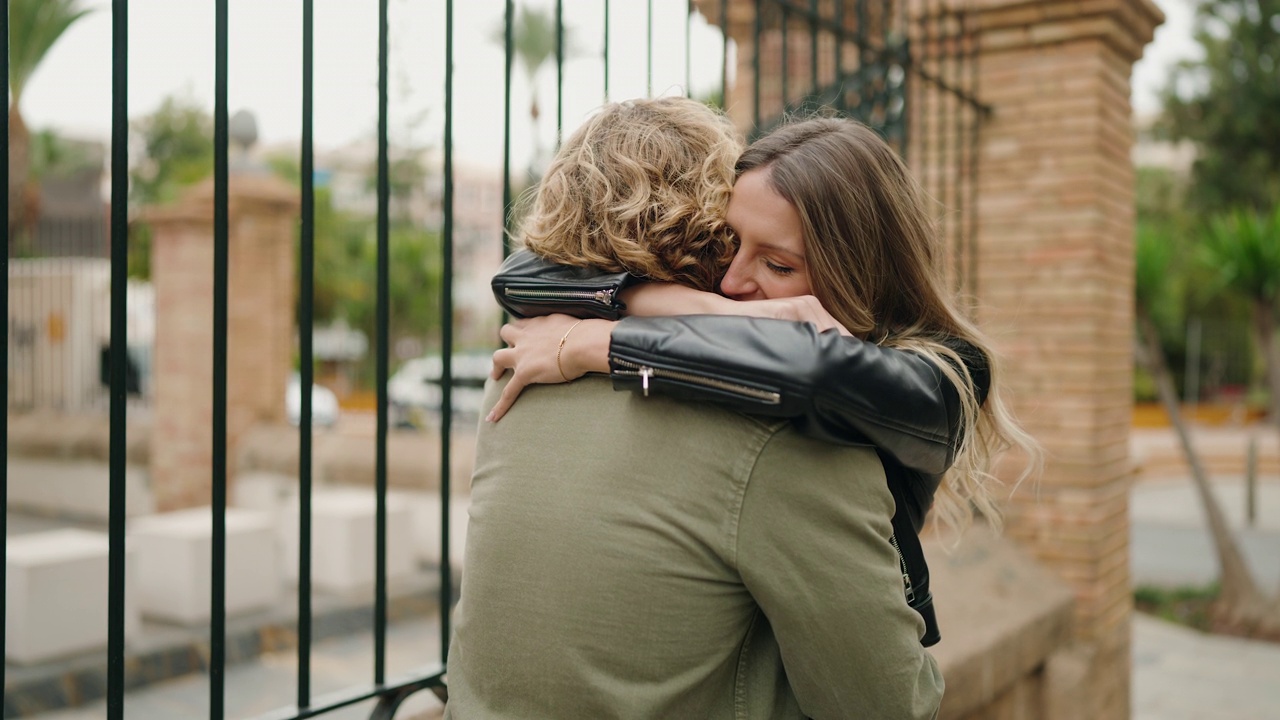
171	52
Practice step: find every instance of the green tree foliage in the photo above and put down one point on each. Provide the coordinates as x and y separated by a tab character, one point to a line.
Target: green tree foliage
1228	103
346	269
177	150
34	27
1242	250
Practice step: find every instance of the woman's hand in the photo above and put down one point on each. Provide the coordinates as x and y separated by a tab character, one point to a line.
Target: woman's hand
802	308
549	349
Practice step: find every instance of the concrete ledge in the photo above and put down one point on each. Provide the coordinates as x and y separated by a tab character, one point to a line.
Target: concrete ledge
74	488
1002	618
341	458
75	436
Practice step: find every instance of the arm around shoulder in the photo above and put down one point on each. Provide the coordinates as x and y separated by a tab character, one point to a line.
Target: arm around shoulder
837	388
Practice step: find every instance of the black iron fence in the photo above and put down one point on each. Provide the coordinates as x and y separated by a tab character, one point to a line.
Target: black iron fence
907	69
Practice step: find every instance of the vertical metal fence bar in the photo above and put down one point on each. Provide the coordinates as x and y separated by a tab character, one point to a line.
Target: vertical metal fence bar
606	50
217	622
755	64
648	50
381	372
939	160
786	56
4	342
813	47
974	136
446	342
306	350
119	322
508	41
688	49
724	54
559	71
838	50
926	109
861	49
908	59
960	167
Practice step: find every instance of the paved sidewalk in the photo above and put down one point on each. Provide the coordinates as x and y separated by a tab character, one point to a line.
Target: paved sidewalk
1182	674
1171	546
269	681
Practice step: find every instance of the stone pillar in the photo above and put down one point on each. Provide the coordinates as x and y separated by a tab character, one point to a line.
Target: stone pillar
1056	223
260	326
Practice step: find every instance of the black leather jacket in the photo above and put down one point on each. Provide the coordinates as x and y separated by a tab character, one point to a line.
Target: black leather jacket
833	387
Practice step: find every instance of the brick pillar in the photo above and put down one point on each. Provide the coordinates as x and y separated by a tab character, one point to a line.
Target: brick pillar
1056	224
260	323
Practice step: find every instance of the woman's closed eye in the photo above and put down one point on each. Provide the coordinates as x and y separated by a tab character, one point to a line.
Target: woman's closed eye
779	269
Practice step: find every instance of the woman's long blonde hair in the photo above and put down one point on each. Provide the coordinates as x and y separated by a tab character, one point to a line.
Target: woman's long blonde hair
642	186
872	257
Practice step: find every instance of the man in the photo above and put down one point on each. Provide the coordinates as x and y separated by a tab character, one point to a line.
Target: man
647	558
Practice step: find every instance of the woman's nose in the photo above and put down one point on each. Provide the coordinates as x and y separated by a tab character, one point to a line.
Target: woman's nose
737	283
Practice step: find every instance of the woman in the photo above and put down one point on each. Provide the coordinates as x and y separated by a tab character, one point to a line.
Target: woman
827	215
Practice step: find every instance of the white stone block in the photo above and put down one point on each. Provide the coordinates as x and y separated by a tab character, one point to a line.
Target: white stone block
262	491
56	592
343	534
425	510
175	556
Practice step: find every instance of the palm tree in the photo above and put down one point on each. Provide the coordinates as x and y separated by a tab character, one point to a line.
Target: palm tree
34	27
1240	603
533	41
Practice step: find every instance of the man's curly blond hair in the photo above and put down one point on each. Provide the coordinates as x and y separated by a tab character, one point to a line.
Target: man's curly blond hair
642	186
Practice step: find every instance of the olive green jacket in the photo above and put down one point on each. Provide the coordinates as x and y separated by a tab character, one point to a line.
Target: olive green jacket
632	557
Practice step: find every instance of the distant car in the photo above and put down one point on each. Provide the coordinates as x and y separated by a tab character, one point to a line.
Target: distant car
414	392
324	404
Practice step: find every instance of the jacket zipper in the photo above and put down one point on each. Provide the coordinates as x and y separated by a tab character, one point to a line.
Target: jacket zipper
604	297
644	372
906	577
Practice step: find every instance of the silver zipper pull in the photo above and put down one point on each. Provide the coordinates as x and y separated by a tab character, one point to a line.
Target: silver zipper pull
645	374
604	297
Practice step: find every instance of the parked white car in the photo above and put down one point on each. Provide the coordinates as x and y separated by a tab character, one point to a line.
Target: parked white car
324	404
414	394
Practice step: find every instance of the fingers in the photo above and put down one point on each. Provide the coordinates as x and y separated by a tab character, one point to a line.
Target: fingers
509	331
507	399
503	360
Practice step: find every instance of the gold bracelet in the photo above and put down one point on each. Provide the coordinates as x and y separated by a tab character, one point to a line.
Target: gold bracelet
561	349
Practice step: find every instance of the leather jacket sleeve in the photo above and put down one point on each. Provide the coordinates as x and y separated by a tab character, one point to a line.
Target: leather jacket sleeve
527	286
835	388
